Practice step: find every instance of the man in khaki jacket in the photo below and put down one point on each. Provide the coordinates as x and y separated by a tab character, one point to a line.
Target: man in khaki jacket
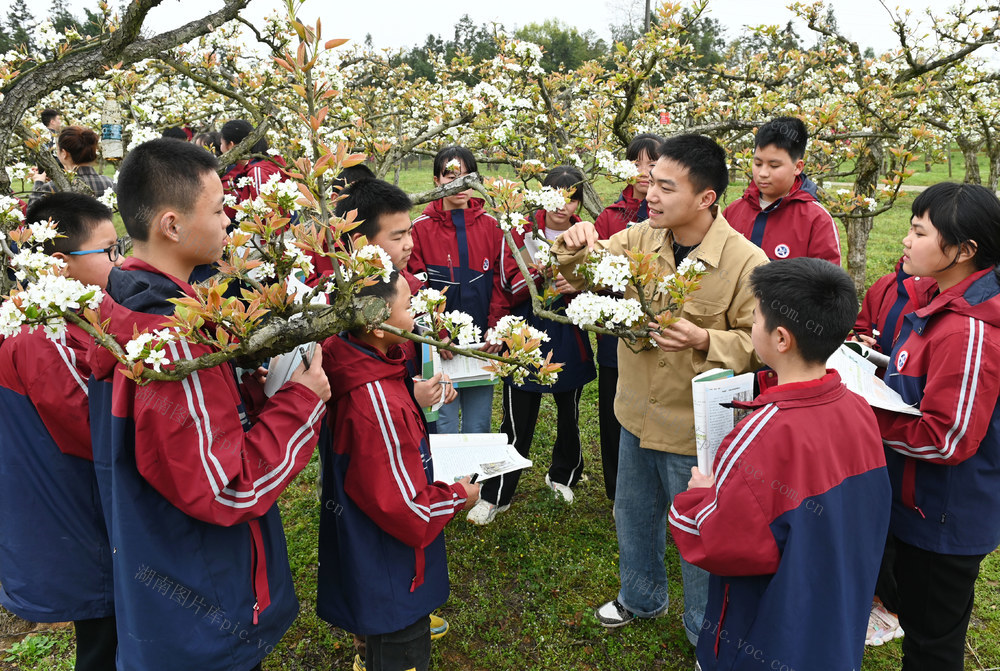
653	401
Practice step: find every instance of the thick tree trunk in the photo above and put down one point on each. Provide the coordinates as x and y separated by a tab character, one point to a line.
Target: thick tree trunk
858	229
970	152
994	156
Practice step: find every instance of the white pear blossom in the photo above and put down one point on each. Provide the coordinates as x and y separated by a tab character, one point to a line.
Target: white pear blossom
377	258
689	266
608	270
461	329
513	221
45	298
508	325
42	231
589	309
548	199
425	301
36	262
17	171
148	348
621	169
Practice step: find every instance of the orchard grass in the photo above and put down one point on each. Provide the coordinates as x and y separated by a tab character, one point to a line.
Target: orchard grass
523	588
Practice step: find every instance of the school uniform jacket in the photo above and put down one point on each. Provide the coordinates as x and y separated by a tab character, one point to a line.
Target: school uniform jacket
55	559
259	170
885	304
382	563
945	464
459	250
201	571
793	226
567	343
618	216
792	532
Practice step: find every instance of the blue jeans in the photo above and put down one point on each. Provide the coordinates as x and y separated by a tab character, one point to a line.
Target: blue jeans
476	404
647	483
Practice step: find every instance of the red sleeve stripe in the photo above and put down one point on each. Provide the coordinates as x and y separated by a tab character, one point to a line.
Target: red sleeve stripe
393	448
966	400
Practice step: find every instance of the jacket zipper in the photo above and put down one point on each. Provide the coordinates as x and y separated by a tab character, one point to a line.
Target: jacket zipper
722	619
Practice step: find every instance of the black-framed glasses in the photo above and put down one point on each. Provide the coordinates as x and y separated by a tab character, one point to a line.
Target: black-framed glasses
114	252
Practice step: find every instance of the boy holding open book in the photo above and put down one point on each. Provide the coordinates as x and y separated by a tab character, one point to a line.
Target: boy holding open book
382	557
792	518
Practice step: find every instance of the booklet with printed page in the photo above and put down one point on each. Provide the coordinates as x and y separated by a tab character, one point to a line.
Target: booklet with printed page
712	420
858	373
466	371
457	455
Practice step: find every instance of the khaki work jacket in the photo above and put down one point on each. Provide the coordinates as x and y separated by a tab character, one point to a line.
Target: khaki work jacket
653	400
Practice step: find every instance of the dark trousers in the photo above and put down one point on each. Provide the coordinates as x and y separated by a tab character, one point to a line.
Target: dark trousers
520	413
402	650
96	644
611	430
933	597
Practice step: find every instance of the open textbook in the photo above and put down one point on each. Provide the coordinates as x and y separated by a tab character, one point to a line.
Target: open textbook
858	373
457	455
712	420
464	371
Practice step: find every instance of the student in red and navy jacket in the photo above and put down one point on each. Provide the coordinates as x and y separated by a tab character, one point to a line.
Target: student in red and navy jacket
382	563
792	520
885	304
55	559
568	345
257	170
189	480
945	463
456	245
630	208
779	212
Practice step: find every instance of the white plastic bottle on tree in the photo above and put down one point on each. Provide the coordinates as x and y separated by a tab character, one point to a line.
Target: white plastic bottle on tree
111	128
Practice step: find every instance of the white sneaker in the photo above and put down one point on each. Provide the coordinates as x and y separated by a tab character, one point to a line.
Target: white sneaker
483	512
561	490
883	626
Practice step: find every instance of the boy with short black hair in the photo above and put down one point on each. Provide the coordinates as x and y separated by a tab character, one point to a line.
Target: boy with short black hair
189	482
779	211
382	563
792	520
55	559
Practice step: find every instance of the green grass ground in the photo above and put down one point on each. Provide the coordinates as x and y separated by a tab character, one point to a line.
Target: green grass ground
523	588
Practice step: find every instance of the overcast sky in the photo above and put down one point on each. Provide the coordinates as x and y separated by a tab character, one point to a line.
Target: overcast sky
402	23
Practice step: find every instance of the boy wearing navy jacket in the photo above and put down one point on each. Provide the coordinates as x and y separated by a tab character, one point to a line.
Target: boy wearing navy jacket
779	212
189	482
457	245
792	520
382	564
55	559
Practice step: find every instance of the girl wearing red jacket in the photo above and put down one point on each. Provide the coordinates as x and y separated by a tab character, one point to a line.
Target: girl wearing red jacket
944	465
567	344
456	245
